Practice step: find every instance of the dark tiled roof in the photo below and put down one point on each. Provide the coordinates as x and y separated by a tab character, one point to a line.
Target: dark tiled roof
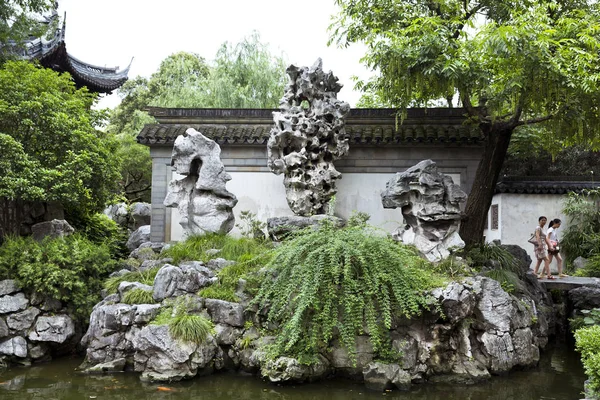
363	126
544	185
52	53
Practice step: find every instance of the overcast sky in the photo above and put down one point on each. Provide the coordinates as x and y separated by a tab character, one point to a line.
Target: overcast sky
111	32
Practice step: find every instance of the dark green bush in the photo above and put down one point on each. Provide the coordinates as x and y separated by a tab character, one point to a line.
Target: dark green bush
351	280
587	342
582	237
100	229
69	269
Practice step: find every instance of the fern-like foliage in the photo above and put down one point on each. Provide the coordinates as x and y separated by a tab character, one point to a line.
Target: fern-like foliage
341	281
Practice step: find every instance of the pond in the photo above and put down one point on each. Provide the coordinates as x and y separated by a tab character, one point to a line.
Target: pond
559	376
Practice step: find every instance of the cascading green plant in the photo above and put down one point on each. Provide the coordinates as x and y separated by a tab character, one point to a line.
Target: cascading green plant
329	281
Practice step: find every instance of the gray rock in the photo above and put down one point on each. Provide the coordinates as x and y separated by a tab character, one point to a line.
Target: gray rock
580	263
117	365
19	322
13	303
217	264
226	335
4	332
9	286
125	287
144	313
585	297
175	281
280	227
141	253
430	204
340	359
54	229
287	369
119	213
139	236
16	346
50	304
161	358
56	329
141	214
304	142
198	189
380	376
224	312
120	272
39	351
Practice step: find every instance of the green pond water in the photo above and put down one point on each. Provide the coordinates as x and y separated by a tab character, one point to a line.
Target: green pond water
559	376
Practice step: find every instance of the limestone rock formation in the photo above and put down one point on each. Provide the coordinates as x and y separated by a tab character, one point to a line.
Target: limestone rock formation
198	190
430	203
307	137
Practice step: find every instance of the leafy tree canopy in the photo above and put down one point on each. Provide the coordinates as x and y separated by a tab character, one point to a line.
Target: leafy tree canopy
511	64
50	149
245	75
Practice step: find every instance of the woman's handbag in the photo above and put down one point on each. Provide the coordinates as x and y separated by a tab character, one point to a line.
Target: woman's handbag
555	245
533	240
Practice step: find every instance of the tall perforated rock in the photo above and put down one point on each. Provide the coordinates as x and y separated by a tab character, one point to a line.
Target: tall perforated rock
430	203
307	137
198	186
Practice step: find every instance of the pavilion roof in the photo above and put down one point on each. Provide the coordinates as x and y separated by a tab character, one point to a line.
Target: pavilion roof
52	53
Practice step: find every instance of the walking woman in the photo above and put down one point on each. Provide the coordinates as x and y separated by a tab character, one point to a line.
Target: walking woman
540	249
553	248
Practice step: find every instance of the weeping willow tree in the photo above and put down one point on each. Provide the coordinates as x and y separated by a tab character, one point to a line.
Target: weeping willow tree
242	75
514	65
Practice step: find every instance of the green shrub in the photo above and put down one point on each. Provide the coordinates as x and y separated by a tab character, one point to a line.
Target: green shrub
245	268
184	326
479	255
138	296
587	342
100	229
146	277
194	248
452	267
351	280
582	237
585	319
69	269
592	268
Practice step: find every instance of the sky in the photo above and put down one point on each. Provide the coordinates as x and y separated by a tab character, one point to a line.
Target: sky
110	32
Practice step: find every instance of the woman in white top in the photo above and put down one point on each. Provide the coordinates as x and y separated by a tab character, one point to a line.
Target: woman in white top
553	247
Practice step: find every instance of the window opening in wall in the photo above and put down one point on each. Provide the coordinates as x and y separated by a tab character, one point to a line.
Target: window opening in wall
494	216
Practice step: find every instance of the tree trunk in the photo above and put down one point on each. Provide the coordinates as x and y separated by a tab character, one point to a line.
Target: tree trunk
480	198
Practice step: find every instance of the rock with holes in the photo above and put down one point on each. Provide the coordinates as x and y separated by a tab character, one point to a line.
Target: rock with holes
198	186
308	136
430	203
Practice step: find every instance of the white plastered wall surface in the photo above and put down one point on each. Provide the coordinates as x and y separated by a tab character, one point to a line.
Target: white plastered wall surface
518	217
263	194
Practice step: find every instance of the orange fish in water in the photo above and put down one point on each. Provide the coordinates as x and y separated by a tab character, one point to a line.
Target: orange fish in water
165	389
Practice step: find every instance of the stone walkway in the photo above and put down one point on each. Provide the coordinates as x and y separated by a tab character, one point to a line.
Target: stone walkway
569	282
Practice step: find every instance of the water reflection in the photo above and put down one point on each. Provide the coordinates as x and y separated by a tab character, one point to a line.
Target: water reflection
559	376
